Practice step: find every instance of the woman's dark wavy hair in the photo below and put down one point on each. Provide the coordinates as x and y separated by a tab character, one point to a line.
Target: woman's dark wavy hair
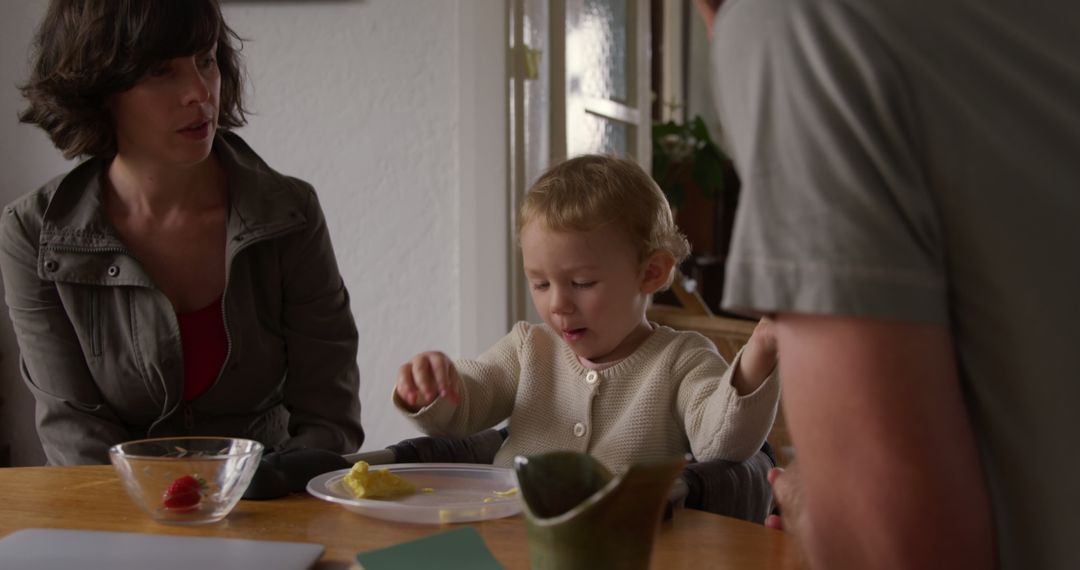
88	50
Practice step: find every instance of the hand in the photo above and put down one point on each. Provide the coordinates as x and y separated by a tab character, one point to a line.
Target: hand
758	359
787	492
427	376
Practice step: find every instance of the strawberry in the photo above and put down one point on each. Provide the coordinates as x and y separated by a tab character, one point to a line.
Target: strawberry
184	494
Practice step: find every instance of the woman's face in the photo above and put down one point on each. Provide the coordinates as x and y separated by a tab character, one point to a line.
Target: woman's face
170	115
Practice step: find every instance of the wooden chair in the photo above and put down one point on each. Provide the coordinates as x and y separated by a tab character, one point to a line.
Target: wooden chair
728	334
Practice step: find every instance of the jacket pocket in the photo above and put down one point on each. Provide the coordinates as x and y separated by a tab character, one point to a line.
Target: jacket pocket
93	320
41	394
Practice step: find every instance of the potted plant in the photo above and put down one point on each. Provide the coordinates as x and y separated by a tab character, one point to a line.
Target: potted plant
699	181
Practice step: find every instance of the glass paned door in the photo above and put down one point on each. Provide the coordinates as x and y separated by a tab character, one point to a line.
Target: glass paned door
607	92
579	83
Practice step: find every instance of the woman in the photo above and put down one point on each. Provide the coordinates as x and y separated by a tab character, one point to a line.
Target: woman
172	283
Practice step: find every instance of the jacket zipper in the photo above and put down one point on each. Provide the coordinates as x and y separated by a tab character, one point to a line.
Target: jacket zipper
224	294
95	325
88	248
228	336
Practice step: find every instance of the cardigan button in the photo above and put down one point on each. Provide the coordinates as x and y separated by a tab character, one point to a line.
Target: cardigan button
114	270
591	377
579	429
51	265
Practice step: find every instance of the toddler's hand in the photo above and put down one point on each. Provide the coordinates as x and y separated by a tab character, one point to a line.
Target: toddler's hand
425	377
787	492
758	358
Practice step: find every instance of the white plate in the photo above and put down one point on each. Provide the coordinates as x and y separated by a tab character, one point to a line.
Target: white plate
457	492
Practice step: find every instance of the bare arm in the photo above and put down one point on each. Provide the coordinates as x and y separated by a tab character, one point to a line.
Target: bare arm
889	469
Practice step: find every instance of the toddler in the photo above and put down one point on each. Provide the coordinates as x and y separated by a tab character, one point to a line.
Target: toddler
597	240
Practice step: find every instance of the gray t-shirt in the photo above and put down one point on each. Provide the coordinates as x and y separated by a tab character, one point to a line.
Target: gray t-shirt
919	160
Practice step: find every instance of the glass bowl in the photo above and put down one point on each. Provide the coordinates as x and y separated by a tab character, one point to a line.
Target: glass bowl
186	480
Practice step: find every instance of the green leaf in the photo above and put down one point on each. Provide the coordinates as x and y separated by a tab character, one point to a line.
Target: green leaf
661	130
707	166
699	130
709	175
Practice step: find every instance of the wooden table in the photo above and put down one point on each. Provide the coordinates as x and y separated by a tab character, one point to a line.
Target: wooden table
92	497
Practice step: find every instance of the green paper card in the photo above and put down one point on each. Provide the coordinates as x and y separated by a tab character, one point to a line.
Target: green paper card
460	548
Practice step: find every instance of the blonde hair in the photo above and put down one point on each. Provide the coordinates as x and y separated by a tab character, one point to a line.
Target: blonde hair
590	191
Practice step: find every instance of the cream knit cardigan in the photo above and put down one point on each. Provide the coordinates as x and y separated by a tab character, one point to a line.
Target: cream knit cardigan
672	396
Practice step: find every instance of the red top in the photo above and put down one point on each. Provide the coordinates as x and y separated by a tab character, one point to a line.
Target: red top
202	334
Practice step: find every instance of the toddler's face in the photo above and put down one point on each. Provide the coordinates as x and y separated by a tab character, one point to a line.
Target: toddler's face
587	286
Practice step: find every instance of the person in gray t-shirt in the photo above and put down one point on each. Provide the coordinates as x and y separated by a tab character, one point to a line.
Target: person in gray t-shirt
911	215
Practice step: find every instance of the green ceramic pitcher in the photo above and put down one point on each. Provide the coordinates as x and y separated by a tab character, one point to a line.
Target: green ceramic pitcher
580	517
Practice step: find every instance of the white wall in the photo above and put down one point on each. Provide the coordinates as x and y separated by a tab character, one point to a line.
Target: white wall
396	112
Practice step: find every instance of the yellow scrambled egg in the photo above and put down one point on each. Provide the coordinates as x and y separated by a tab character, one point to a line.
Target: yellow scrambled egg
378	484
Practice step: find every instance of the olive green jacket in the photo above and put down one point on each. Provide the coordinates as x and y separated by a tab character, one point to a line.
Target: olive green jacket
100	344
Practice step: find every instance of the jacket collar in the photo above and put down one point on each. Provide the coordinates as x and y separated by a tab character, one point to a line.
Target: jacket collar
259	203
75	216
